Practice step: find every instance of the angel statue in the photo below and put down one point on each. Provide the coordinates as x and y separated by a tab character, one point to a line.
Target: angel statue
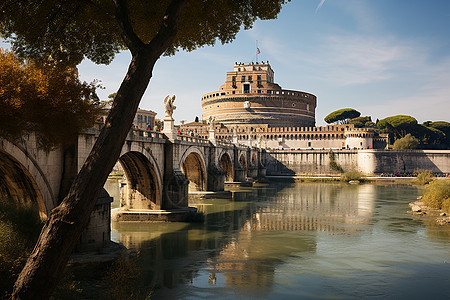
212	123
168	104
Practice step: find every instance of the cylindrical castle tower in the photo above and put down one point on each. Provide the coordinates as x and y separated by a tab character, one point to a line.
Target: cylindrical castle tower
250	96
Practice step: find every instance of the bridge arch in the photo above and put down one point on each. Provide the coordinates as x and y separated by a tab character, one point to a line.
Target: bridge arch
23	180
226	165
254	161
143	181
242	161
194	169
17	184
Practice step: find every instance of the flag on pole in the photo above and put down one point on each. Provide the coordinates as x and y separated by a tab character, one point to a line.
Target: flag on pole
257	51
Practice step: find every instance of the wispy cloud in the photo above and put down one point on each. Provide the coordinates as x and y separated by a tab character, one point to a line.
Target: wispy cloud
320	5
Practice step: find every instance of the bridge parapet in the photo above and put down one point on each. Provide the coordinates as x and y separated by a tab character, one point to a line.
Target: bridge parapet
146	133
193	139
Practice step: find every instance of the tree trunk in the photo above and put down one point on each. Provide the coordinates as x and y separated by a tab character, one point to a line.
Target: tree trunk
63	229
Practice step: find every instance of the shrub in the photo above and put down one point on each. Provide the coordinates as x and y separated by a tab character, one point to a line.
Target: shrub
407	142
423	177
437	194
352	175
122	279
20	226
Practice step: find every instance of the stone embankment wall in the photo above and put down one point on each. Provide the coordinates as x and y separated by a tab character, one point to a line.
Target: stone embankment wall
317	162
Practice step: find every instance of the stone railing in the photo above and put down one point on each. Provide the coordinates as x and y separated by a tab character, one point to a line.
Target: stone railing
192	139
146	133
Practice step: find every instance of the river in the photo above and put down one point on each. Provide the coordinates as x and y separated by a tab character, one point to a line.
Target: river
295	241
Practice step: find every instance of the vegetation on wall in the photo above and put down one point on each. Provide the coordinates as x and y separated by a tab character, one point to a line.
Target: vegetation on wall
333	164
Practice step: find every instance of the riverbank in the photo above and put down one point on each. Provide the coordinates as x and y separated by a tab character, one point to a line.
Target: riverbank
418	208
311	178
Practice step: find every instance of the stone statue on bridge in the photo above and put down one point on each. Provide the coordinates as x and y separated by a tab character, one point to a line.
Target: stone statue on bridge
168	105
212	123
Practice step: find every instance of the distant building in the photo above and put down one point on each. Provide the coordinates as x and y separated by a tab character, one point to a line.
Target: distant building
250	96
251	109
144	119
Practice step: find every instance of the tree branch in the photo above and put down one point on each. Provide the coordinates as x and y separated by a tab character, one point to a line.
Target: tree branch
130	38
168	30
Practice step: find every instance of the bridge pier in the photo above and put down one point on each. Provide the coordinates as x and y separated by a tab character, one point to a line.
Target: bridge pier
97	234
216	178
240	174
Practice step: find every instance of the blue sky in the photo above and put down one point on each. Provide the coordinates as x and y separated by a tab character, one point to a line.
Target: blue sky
381	57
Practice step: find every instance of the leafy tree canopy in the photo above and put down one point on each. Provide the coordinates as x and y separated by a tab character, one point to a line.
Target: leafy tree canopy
399	121
70	31
370	124
342	115
50	101
399	125
406	142
441	125
360	122
428	135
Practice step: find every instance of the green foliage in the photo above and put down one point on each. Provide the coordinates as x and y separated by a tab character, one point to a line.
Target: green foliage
20	226
122	279
48	100
401	125
407	142
437	194
397	126
360	122
342	115
70	31
442	126
423	177
370	124
352	175
428	135
333	164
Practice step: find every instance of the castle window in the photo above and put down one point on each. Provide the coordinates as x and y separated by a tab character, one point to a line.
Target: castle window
242	78
259	77
250	78
259	91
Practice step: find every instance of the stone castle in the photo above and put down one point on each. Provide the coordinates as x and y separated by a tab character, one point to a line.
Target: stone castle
251	109
250	96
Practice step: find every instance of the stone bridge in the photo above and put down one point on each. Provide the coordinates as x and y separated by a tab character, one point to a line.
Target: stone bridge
160	170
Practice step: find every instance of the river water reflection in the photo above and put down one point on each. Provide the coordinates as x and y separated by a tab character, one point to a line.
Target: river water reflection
296	241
